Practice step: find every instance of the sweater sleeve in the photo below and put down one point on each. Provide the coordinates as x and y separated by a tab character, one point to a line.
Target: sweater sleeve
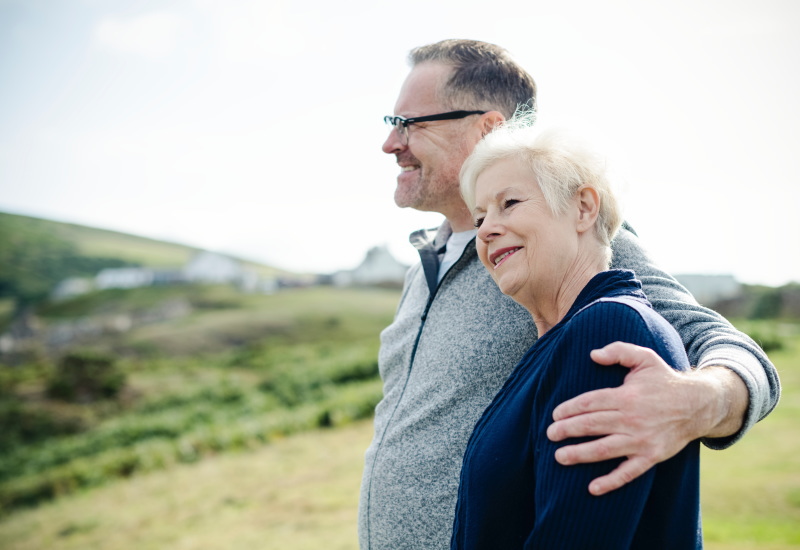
568	516
708	337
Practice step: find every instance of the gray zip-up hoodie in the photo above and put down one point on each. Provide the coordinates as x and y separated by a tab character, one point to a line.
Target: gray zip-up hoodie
450	349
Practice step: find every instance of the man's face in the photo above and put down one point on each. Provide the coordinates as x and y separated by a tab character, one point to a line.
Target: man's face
432	158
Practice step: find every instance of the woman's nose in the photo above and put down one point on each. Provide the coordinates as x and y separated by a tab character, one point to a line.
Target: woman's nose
488	229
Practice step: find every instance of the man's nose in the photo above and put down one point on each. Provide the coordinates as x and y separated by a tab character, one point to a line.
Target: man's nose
393	143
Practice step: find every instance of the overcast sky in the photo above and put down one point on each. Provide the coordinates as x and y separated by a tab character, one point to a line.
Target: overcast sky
254	127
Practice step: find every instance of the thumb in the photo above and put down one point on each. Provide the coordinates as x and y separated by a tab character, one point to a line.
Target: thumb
623	353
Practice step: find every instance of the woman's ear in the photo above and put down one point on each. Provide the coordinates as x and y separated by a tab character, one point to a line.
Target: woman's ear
588	202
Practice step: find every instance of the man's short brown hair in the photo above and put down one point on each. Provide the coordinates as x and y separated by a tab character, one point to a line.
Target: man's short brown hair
484	76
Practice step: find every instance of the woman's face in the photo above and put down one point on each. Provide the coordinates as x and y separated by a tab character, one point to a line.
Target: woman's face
526	248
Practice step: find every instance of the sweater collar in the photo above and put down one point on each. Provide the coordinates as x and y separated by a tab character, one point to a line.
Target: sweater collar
435	237
607	284
430	243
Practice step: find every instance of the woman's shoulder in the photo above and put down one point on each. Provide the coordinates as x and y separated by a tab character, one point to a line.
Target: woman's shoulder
626	319
613	308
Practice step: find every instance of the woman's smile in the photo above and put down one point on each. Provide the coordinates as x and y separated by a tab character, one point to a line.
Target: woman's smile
502	255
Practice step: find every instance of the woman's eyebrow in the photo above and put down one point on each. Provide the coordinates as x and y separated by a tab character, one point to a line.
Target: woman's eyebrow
496	198
503	192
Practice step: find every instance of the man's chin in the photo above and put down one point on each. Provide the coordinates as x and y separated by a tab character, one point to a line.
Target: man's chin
403	200
404	204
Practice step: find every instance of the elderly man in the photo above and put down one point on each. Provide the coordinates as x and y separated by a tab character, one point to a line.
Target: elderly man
456	337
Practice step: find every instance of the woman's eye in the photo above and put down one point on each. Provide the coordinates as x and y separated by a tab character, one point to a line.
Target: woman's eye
478	222
509	202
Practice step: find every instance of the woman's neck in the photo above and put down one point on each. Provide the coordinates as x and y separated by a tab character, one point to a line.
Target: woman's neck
548	307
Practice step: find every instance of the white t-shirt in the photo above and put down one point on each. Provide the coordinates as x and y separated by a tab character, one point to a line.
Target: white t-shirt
453	250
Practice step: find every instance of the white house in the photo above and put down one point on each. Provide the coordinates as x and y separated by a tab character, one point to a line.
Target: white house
210	267
74	286
378	268
124	277
204	267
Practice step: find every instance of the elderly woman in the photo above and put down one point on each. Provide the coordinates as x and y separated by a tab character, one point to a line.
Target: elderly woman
546	216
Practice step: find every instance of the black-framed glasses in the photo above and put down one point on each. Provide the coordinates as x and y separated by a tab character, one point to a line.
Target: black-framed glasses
401	124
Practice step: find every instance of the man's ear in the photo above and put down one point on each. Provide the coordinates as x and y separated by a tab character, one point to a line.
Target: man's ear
588	203
490	120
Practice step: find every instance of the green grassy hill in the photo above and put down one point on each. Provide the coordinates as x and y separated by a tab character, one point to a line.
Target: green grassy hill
103	243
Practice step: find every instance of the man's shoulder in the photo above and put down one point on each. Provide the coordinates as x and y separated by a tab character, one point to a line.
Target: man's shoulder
625	236
628	252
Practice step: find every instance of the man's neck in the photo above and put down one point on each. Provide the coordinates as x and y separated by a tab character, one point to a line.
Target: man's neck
461	220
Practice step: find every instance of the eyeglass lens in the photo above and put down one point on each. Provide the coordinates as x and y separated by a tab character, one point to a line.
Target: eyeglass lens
397	124
402	129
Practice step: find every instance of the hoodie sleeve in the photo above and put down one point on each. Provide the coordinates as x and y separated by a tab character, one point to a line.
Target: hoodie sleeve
708	337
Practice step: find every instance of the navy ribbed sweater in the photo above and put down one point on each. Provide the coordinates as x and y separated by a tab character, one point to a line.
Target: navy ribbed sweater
513	494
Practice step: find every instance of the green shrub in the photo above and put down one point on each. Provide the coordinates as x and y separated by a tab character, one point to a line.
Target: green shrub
24	424
52	470
86	375
223	406
769	341
8	382
768	304
302	374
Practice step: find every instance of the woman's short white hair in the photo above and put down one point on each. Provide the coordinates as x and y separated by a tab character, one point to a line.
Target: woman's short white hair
559	163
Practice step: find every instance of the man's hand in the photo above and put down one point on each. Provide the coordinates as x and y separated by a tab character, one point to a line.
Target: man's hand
650	418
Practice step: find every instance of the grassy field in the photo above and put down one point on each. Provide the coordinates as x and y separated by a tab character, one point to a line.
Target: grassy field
300	491
751	492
